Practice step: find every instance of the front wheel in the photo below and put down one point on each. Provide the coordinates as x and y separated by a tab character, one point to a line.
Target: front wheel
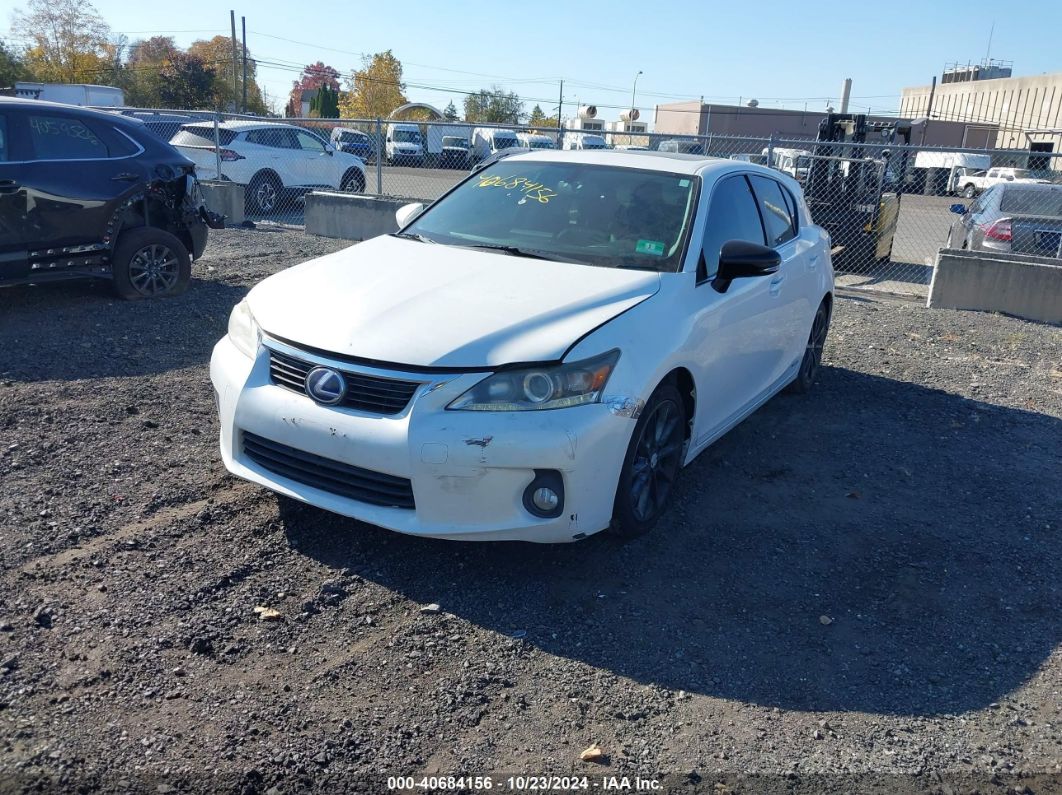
809	365
263	194
353	182
968	192
150	263
652	464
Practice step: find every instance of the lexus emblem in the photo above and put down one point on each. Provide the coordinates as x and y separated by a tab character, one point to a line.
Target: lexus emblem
326	386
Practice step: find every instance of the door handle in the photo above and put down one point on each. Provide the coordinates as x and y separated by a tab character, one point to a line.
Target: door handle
9	186
126	176
776	284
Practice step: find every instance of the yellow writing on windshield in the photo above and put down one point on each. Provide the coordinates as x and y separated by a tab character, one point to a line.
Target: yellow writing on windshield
532	190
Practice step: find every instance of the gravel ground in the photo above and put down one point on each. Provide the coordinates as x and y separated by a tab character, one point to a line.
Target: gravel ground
855	589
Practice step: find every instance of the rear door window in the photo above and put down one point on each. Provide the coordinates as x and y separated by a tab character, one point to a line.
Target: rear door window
777	216
202	136
63	138
1034	201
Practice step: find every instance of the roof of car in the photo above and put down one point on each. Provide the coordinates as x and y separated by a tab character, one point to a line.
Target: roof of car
238	125
675	162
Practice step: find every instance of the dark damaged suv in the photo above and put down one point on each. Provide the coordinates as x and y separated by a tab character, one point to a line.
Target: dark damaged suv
90	194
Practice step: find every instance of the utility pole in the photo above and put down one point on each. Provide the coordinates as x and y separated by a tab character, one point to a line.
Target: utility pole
235	75
243	24
560	113
929	109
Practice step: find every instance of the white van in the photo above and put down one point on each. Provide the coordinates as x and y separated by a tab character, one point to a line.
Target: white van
581	140
794	162
447	145
488	140
944	171
404	144
533	140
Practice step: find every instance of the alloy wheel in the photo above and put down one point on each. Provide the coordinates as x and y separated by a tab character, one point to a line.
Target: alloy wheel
154	270
656	461
266	197
816	341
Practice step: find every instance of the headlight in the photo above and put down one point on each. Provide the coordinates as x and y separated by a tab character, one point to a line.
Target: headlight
243	330
537	388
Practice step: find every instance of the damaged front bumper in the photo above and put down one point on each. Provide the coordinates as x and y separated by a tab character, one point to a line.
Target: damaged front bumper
467	471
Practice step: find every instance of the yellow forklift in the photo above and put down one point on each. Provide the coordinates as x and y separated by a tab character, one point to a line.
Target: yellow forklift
853	190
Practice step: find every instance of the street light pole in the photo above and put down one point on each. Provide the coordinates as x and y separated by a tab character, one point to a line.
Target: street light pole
630	121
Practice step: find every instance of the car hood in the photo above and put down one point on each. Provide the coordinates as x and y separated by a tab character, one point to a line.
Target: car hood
404	302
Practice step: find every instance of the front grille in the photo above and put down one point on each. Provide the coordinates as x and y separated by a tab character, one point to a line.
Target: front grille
327	474
368	393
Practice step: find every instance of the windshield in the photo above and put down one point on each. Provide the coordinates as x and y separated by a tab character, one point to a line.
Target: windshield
591	214
593	142
405	137
451	141
504	142
540	144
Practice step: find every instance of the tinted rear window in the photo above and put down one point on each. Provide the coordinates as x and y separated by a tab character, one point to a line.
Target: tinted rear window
202	136
64	138
1032	202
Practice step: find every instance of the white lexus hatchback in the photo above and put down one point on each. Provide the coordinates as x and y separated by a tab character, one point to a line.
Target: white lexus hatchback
534	356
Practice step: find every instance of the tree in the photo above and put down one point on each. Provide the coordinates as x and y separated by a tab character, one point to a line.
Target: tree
325	103
313	77
538	118
494	106
12	69
143	70
451	112
186	82
68	40
375	89
216	53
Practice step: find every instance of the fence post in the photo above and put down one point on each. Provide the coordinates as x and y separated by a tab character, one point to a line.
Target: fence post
380	154
217	147
770	151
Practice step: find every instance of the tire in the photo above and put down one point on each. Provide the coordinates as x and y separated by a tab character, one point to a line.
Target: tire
263	194
150	263
651	465
969	192
353	182
809	365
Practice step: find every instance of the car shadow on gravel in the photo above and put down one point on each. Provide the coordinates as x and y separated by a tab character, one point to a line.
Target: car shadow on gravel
878	547
81	329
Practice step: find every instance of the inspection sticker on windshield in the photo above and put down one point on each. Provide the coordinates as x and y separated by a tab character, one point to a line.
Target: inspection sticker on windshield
654	247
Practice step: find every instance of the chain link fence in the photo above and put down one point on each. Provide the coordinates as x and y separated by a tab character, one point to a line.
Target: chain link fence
888	208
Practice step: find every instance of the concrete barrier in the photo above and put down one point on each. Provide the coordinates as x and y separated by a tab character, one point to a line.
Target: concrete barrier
1017	284
350	216
224	198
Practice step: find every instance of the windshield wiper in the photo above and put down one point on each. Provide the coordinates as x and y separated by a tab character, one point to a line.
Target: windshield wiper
517	251
414	236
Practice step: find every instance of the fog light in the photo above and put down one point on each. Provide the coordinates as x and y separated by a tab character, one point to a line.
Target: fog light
544	496
545	499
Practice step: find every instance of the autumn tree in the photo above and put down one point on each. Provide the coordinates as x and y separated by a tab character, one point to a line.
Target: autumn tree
186	82
494	106
216	53
313	77
375	90
68	40
144	66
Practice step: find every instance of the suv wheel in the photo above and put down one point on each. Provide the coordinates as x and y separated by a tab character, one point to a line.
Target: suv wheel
263	194
150	263
353	182
968	192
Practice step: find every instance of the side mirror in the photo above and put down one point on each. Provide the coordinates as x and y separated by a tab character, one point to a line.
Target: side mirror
958	209
740	258
407	212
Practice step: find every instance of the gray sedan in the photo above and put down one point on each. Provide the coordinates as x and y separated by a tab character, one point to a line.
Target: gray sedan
1017	219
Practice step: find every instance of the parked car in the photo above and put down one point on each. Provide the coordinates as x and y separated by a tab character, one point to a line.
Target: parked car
574	140
1013	217
272	159
535	355
87	193
163	125
978	181
945	171
448	146
354	142
682	147
533	140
